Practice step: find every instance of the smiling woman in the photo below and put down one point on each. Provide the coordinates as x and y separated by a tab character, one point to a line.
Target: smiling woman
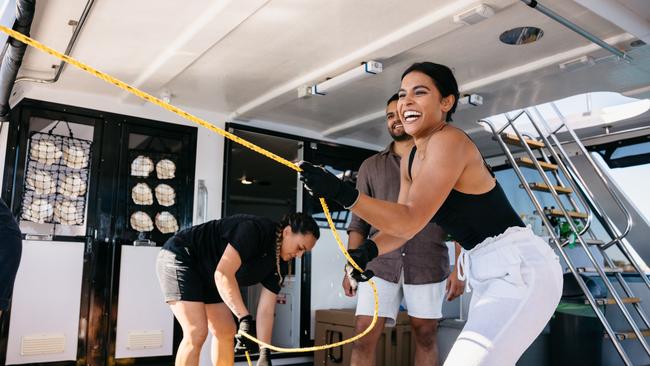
515	276
201	268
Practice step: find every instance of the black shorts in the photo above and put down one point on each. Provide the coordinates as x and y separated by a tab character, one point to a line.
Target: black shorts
179	278
10	252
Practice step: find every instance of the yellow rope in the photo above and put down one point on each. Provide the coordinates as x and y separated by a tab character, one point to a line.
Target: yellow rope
346	341
151	99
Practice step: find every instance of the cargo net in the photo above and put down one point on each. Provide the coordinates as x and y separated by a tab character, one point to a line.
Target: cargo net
56	179
153	197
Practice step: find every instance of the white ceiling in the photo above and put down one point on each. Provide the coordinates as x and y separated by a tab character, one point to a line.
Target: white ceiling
247	57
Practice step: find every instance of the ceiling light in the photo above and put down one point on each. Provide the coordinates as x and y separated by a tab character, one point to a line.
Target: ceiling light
469	100
245	181
577	62
521	35
474	15
359	72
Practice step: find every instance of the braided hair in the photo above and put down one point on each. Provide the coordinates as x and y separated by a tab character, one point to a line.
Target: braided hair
300	223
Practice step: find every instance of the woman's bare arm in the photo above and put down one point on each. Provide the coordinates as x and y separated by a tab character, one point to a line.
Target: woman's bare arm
265	314
444	162
227	284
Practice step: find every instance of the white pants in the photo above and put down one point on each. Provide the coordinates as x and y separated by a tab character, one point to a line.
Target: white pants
421	301
516	281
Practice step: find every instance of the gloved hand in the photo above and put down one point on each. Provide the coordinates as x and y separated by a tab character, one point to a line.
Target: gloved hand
321	183
265	357
362	256
354	277
242	343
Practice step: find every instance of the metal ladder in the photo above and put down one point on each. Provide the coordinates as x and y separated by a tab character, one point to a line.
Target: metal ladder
545	154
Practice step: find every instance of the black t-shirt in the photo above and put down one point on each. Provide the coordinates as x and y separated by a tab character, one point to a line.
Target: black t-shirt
252	236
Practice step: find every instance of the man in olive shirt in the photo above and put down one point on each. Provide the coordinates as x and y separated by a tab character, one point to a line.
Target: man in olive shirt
417	273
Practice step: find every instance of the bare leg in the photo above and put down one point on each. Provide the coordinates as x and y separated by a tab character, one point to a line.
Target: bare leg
223	328
364	350
191	316
426	345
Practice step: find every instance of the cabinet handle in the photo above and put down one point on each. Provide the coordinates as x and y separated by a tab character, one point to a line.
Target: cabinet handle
329	335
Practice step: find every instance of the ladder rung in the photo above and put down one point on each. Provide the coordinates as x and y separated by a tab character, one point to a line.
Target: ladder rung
611	301
514	140
535	186
593	270
574	214
629	334
527	162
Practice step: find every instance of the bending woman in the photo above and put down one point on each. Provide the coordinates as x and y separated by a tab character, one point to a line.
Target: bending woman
515	276
201	268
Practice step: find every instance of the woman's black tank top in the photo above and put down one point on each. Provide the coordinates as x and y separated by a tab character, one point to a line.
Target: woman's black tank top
471	218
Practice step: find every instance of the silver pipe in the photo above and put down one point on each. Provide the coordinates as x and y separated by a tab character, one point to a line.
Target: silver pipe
68	49
609	226
627	289
611	134
592	259
584	151
581	283
566	173
12	58
574	27
510	120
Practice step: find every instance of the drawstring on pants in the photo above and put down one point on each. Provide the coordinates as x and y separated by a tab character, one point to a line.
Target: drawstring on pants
464	268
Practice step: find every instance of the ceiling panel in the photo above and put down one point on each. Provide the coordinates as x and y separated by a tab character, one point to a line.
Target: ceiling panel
640	7
288	40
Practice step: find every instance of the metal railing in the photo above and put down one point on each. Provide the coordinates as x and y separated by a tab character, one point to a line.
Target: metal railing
586	197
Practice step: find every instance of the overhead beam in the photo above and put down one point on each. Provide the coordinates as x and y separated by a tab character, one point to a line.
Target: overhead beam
344	128
218	20
541	63
620	15
401	40
347	127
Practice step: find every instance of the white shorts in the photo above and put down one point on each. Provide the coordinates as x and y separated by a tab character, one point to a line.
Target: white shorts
421	301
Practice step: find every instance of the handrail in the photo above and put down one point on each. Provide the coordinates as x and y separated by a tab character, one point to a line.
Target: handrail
568	176
584	151
601	272
68	49
509	122
611	228
581	283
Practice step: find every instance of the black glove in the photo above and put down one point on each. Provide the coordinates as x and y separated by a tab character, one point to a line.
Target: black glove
242	343
322	183
362	256
265	357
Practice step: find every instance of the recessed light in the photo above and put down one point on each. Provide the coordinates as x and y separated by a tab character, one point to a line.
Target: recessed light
246	181
521	35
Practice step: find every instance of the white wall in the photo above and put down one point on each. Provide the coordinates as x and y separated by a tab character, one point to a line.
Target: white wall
327	262
142	308
46	300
